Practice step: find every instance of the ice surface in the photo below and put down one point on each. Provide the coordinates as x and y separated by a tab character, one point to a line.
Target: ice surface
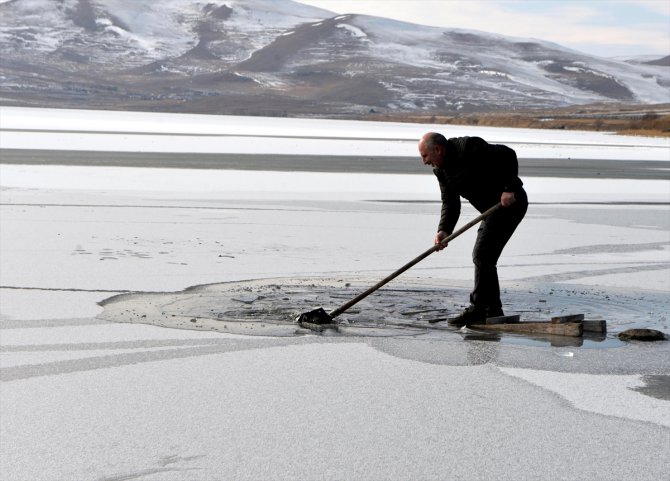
609	395
83	398
147	132
214	413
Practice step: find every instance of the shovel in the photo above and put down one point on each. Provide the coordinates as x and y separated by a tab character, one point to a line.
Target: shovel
320	316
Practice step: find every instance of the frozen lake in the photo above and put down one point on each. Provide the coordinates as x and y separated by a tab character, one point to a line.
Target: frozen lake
88	212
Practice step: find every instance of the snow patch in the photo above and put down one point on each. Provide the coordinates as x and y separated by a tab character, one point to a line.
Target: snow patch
494	73
355	31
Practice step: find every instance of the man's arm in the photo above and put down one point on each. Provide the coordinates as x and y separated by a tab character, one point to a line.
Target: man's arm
451	208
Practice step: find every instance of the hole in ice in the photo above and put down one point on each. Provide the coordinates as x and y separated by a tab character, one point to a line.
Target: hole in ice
268	307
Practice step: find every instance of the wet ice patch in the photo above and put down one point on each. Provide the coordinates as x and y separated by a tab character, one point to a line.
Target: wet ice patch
411	307
269	307
657	386
609	395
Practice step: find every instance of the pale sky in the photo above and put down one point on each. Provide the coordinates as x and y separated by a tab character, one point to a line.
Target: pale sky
599	27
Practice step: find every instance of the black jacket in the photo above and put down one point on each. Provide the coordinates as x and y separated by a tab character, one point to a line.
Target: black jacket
477	171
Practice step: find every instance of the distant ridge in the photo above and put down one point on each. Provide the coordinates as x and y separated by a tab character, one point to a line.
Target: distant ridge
284	58
664	62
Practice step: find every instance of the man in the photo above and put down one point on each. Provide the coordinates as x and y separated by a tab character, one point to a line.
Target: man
484	174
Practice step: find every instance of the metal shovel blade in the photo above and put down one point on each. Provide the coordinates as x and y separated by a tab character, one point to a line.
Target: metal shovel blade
317	316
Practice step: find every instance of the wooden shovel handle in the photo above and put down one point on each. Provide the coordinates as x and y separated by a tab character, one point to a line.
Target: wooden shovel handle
414	261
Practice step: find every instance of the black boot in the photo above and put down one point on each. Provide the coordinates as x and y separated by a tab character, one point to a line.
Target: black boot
471	315
494	312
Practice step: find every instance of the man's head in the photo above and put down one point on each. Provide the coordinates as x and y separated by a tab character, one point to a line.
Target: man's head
432	148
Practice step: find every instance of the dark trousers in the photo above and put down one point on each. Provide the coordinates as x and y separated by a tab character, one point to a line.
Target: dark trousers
492	236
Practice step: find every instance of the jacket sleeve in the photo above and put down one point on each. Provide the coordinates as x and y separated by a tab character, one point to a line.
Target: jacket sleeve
451	205
508	168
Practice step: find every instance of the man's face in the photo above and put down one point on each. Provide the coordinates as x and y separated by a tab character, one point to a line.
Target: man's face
431	155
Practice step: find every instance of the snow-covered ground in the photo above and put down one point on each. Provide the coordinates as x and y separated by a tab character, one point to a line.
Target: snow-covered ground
148	132
86	398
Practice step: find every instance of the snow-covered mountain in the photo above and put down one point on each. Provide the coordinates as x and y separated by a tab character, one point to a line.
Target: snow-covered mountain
281	57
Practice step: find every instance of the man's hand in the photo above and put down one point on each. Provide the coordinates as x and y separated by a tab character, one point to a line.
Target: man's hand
441	235
507	199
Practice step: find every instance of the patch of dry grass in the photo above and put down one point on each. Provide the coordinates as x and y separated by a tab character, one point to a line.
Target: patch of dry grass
653	120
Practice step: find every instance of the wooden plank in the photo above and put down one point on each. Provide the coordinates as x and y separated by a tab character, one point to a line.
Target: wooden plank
595	325
568	318
572	329
503	319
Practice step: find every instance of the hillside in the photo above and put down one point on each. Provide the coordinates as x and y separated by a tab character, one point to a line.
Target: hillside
283	58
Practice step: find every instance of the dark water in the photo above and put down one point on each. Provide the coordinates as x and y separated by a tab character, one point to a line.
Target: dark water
409	310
